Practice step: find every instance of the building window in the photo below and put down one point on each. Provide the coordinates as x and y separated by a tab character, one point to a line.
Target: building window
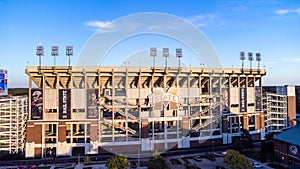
51	110
251	122
78	133
50	133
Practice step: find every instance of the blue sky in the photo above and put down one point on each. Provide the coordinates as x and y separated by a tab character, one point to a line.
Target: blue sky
267	26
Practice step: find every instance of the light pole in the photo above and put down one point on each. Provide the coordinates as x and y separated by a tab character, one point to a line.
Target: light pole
242	58
153	53
250	58
258	59
54	53
178	55
69	53
40	53
166	55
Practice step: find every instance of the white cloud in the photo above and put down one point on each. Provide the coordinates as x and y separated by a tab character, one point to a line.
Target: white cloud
99	24
291	60
287	11
201	20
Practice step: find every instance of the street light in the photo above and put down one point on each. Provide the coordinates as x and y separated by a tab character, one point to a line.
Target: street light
69	52
166	55
40	53
54	53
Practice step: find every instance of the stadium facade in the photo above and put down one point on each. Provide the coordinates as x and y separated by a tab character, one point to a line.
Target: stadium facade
94	110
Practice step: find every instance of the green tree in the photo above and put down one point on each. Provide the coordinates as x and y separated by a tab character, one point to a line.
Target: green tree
157	162
235	160
118	162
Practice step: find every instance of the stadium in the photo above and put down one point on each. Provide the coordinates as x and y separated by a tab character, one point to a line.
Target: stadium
94	110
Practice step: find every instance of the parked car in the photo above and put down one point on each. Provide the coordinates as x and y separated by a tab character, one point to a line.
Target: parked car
257	165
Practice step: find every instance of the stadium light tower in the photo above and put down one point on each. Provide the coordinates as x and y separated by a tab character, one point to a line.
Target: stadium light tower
40	53
178	55
242	58
69	53
250	58
54	53
258	59
166	55
153	53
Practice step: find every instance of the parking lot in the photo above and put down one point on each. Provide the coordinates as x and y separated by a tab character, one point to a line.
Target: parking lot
201	161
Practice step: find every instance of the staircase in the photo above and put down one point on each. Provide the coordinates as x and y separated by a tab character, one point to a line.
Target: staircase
128	114
117	125
205	100
121	101
120	111
206	109
206	123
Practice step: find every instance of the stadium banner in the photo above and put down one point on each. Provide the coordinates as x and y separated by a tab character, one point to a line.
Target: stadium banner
36	104
243	99
64	103
226	99
92	104
257	98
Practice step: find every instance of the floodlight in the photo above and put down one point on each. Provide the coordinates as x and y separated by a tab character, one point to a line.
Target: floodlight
69	53
54	52
166	55
40	50
153	53
40	53
178	55
250	58
258	59
242	58
179	52
165	52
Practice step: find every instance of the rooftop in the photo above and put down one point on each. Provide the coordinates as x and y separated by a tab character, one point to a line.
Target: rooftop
290	136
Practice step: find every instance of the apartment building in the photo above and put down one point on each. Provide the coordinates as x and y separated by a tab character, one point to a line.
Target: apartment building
275	109
13	118
280	107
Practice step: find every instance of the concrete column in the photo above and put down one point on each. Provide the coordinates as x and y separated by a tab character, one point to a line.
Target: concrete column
62	131
257	122
93	131
145	128
224	125
291	111
262	119
245	121
185	126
